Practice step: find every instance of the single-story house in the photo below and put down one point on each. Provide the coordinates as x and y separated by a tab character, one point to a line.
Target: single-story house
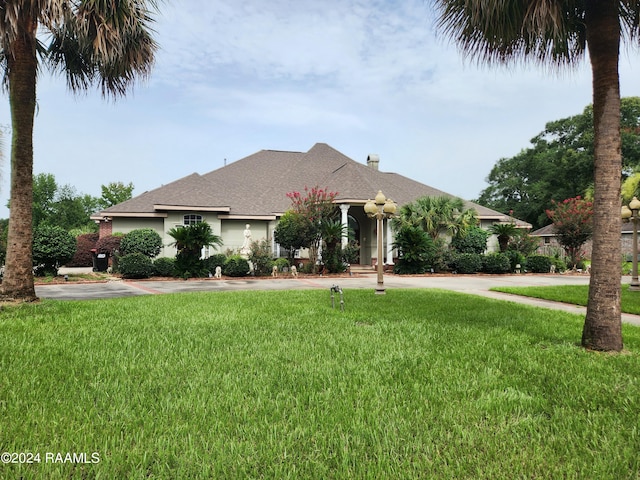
549	244
253	190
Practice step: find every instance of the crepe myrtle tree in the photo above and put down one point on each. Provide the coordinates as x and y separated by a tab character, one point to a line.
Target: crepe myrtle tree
294	231
317	206
92	42
573	224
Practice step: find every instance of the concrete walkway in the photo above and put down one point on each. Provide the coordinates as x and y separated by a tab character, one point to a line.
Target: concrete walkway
471	284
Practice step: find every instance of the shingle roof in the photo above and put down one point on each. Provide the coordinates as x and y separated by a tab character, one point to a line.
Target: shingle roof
257	185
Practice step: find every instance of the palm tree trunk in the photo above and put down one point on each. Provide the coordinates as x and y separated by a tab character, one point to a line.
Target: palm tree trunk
17	283
602	328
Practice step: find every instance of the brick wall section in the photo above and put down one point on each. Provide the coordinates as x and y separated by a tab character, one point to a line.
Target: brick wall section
105	229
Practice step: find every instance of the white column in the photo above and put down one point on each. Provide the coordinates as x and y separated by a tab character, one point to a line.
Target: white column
389	244
344	208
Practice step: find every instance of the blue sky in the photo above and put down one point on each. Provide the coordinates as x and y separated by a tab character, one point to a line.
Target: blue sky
232	78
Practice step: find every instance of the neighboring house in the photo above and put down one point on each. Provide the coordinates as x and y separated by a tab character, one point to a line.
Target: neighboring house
253	191
549	244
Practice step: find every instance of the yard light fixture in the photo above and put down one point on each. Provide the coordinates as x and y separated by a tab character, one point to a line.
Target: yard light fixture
630	214
381	208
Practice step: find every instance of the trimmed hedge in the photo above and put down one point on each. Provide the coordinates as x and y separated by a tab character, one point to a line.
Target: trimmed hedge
142	240
236	266
164	267
281	263
467	263
135	265
539	263
496	263
216	260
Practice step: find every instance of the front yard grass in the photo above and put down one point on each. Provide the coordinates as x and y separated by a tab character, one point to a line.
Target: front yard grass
574	294
257	384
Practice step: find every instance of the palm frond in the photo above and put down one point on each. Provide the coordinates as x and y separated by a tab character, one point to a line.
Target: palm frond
498	31
106	43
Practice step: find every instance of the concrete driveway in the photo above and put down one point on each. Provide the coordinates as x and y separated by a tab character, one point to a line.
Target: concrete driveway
472	284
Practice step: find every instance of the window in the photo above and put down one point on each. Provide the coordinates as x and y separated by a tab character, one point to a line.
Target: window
191	219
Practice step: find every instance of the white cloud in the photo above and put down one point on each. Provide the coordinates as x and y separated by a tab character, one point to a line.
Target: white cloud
232	78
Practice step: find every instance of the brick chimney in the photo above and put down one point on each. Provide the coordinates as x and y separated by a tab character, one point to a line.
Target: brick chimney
373	161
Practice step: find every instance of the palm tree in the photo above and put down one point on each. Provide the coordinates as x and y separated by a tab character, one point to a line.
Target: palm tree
92	42
436	214
559	32
332	231
189	241
504	231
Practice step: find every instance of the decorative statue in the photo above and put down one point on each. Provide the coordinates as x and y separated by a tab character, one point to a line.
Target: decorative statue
246	244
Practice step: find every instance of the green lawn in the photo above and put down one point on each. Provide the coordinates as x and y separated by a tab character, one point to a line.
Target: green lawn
574	294
413	384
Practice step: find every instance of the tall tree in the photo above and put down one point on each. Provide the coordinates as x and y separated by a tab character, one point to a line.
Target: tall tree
61	206
559	32
558	164
114	193
45	189
92	42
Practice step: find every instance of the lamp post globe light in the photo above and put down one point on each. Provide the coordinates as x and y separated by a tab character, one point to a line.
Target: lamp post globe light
381	208
630	214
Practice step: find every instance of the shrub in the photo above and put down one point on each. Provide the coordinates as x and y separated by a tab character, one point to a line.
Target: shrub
143	240
261	257
524	243
516	258
84	256
417	250
236	266
496	263
474	241
467	263
216	260
333	261
281	263
351	252
164	267
135	265
109	244
52	246
307	267
560	264
539	263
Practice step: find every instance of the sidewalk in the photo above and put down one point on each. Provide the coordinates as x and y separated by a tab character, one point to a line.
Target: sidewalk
471	284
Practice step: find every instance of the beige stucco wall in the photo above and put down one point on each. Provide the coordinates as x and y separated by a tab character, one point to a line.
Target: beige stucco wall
162	225
233	232
126	225
176	219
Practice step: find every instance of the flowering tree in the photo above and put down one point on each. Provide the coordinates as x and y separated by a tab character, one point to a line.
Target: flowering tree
572	222
316	205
